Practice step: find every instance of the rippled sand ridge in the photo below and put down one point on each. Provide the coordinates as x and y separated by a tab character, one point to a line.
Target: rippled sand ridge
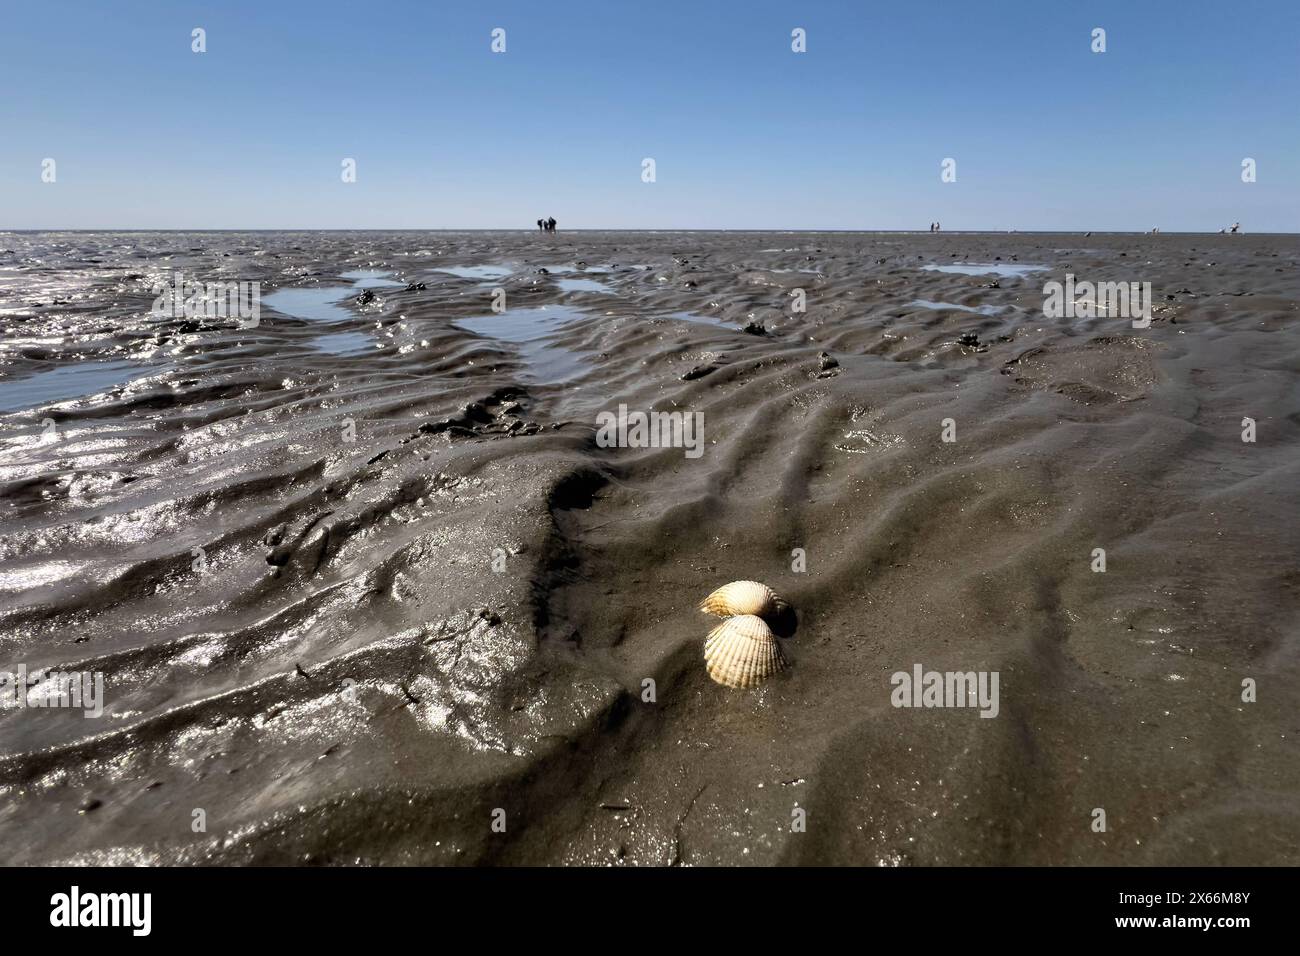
360	574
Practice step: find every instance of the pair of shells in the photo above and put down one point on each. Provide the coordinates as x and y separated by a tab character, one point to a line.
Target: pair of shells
742	652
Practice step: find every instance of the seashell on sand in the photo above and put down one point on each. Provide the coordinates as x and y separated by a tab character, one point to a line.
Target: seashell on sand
742	652
743	597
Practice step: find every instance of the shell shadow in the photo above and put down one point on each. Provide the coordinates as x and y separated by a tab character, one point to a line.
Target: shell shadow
784	622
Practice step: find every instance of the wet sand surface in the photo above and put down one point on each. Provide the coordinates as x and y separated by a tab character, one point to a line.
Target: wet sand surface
360	576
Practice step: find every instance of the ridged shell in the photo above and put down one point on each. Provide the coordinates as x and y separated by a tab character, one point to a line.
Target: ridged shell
741	652
743	597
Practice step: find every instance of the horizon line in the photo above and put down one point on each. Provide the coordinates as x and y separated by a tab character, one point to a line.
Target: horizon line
525	229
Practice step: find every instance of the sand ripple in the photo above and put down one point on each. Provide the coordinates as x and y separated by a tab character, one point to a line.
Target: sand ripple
347	602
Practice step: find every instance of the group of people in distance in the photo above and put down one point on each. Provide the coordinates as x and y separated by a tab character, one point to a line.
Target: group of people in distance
934	227
546	225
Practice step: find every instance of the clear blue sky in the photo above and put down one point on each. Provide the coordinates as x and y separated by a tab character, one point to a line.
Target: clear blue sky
745	133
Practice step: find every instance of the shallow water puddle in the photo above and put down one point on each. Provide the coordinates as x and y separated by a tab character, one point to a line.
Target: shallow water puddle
562	270
325	304
67	382
319	305
1006	270
939	306
322	303
477	272
582	285
527	330
706	320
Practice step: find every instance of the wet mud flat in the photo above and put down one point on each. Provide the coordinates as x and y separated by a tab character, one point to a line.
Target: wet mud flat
361	583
